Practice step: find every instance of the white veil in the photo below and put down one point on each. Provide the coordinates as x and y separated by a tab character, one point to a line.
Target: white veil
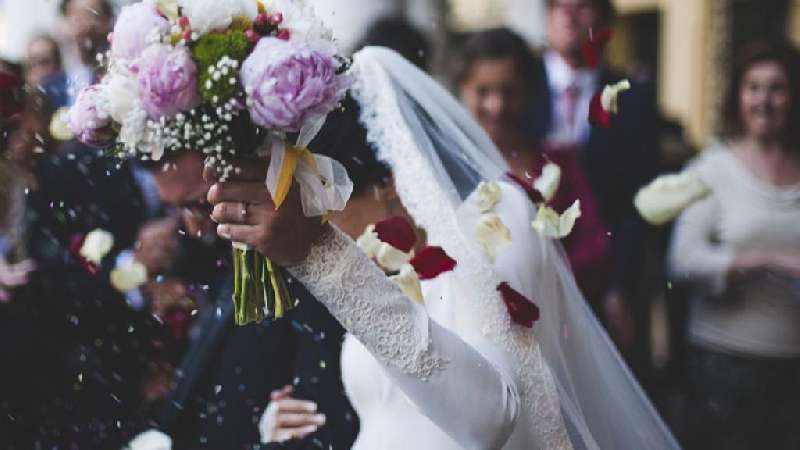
439	155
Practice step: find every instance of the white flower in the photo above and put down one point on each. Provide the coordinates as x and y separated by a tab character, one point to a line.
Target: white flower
548	181
384	254
150	440
120	94
493	235
300	18
210	15
128	276
668	195
550	224
610	94
96	246
169	8
408	281
489	195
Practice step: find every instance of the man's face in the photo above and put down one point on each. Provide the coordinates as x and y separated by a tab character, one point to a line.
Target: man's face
180	183
41	61
569	22
85	21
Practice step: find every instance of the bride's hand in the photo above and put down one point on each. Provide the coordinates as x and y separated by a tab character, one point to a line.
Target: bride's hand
288	418
244	210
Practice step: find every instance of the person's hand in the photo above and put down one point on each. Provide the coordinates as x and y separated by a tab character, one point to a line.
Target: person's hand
166	295
244	210
13	276
618	317
288	418
787	262
157	246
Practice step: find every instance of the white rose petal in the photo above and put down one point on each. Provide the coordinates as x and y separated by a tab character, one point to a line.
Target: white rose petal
120	94
150	440
129	276
668	195
493	235
97	245
169	8
609	96
408	281
489	195
550	224
300	19
368	242
391	258
211	15
548	182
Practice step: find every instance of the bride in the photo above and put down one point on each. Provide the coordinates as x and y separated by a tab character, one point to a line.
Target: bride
457	370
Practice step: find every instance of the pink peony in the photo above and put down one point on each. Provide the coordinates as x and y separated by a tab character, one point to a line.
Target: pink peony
287	82
167	79
135	26
88	121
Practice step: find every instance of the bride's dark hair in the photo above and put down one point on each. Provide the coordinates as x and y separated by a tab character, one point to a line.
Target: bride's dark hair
344	139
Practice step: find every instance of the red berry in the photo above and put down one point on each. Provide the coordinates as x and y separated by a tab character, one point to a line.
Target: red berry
183	22
187	35
252	36
262	19
283	34
276	19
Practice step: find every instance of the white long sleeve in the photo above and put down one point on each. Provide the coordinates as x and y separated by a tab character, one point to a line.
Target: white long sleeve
696	254
472	399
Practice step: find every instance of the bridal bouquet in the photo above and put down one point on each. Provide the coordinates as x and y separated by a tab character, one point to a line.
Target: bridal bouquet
229	79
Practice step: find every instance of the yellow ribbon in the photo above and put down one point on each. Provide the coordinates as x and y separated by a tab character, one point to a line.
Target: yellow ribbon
291	157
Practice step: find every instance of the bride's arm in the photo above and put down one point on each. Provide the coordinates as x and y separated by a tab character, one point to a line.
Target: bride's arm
468	396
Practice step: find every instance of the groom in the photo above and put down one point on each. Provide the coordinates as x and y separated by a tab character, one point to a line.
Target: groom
229	372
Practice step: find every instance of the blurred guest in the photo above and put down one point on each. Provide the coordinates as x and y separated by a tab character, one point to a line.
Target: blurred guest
740	247
229	372
496	81
401	36
617	161
86	23
42	60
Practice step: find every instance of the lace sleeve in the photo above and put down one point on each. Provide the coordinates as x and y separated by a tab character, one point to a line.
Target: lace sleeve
431	365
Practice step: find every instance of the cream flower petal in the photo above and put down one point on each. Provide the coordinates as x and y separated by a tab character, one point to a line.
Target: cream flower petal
550	224
489	195
610	95
129	276
408	280
493	235
548	182
96	246
668	195
169	8
368	242
150	440
391	258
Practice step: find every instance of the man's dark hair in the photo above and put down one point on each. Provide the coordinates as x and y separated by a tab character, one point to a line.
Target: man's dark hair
105	8
498	43
604	7
788	57
399	35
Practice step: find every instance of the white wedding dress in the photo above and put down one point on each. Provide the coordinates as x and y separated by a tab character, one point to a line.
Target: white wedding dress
457	373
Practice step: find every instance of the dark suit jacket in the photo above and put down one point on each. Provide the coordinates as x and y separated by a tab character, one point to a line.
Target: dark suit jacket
229	372
617	162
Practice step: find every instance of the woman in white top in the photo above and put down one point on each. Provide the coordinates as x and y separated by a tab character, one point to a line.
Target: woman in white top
740	248
459	370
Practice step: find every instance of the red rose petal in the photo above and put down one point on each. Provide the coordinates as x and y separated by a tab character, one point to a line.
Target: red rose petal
397	232
598	116
522	311
431	262
592	49
533	194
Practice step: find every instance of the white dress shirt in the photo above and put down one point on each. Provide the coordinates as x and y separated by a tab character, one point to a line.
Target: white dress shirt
561	77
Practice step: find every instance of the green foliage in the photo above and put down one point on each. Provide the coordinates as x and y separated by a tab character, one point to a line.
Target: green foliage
212	47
